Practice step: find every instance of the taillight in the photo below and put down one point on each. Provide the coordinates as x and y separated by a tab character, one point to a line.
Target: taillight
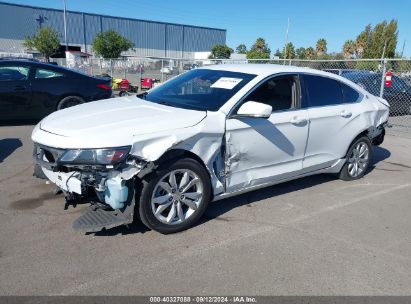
104	86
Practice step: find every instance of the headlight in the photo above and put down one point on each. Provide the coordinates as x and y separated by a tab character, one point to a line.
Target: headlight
107	156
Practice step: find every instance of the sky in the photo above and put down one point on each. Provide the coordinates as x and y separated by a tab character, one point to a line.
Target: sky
245	21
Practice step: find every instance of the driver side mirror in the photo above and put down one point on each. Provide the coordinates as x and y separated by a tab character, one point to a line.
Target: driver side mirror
254	109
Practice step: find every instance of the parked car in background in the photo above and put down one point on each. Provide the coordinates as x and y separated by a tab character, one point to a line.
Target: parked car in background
168	70
148	83
190	66
341	72
398	94
205	135
32	90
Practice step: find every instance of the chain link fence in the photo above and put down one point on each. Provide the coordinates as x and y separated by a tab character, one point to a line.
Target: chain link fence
371	74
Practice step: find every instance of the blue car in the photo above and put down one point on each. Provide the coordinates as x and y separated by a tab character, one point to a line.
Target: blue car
398	94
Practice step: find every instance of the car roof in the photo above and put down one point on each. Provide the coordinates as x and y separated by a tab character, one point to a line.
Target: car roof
41	64
266	69
20	61
362	74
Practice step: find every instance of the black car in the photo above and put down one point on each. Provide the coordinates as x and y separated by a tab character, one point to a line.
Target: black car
398	94
190	66
32	90
340	72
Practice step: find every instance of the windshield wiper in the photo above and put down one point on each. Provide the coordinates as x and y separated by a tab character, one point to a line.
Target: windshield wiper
142	95
165	103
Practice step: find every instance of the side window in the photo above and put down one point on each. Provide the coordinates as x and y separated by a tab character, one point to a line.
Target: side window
349	94
42	73
322	91
13	73
276	92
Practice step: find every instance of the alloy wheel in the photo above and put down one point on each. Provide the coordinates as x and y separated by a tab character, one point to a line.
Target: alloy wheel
359	159
177	196
69	103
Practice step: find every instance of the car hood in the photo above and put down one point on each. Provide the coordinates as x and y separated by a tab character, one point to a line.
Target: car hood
112	122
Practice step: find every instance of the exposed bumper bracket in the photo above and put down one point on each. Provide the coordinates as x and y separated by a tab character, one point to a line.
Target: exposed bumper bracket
99	216
96	219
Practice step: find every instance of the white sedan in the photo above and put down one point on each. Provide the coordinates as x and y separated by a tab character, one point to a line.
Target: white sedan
205	135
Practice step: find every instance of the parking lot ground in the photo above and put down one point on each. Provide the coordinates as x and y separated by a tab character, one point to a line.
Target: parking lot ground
312	236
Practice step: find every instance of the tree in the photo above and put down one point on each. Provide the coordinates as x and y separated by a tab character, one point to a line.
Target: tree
349	48
46	41
321	47
363	41
241	49
391	36
310	53
259	50
289	51
381	34
110	44
339	56
279	54
220	51
300	53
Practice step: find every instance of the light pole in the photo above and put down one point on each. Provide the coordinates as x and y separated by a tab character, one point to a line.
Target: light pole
286	39
65	25
383	63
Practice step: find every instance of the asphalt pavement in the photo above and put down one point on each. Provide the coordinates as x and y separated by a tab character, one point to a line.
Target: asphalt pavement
312	236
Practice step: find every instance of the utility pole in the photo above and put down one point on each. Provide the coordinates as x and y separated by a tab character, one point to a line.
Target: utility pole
383	66
65	25
286	38
403	46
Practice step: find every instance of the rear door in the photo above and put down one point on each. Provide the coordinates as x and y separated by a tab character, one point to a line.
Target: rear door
15	92
48	85
334	111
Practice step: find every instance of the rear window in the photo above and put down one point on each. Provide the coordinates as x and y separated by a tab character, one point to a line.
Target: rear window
13	73
322	91
43	73
349	94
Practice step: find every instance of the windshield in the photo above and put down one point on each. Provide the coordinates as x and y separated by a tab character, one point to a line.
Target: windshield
199	89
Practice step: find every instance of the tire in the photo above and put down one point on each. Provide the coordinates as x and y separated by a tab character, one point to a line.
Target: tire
178	210
38	172
69	101
123	93
358	159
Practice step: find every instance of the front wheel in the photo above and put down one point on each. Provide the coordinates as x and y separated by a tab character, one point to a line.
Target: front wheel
358	159
174	197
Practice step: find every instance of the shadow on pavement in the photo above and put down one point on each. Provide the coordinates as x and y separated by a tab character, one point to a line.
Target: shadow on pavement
135	227
14	123
378	154
8	146
216	209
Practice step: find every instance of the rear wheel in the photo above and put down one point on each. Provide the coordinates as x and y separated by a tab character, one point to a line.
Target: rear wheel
174	197
69	101
358	159
123	93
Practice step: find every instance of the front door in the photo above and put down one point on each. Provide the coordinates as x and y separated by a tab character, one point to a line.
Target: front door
259	150
15	92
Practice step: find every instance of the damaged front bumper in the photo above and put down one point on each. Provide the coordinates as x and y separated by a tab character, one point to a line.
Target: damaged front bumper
110	189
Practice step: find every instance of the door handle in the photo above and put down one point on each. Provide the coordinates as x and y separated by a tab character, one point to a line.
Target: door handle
20	88
298	121
346	114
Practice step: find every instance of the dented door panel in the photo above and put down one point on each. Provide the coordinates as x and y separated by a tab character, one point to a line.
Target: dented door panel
260	149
